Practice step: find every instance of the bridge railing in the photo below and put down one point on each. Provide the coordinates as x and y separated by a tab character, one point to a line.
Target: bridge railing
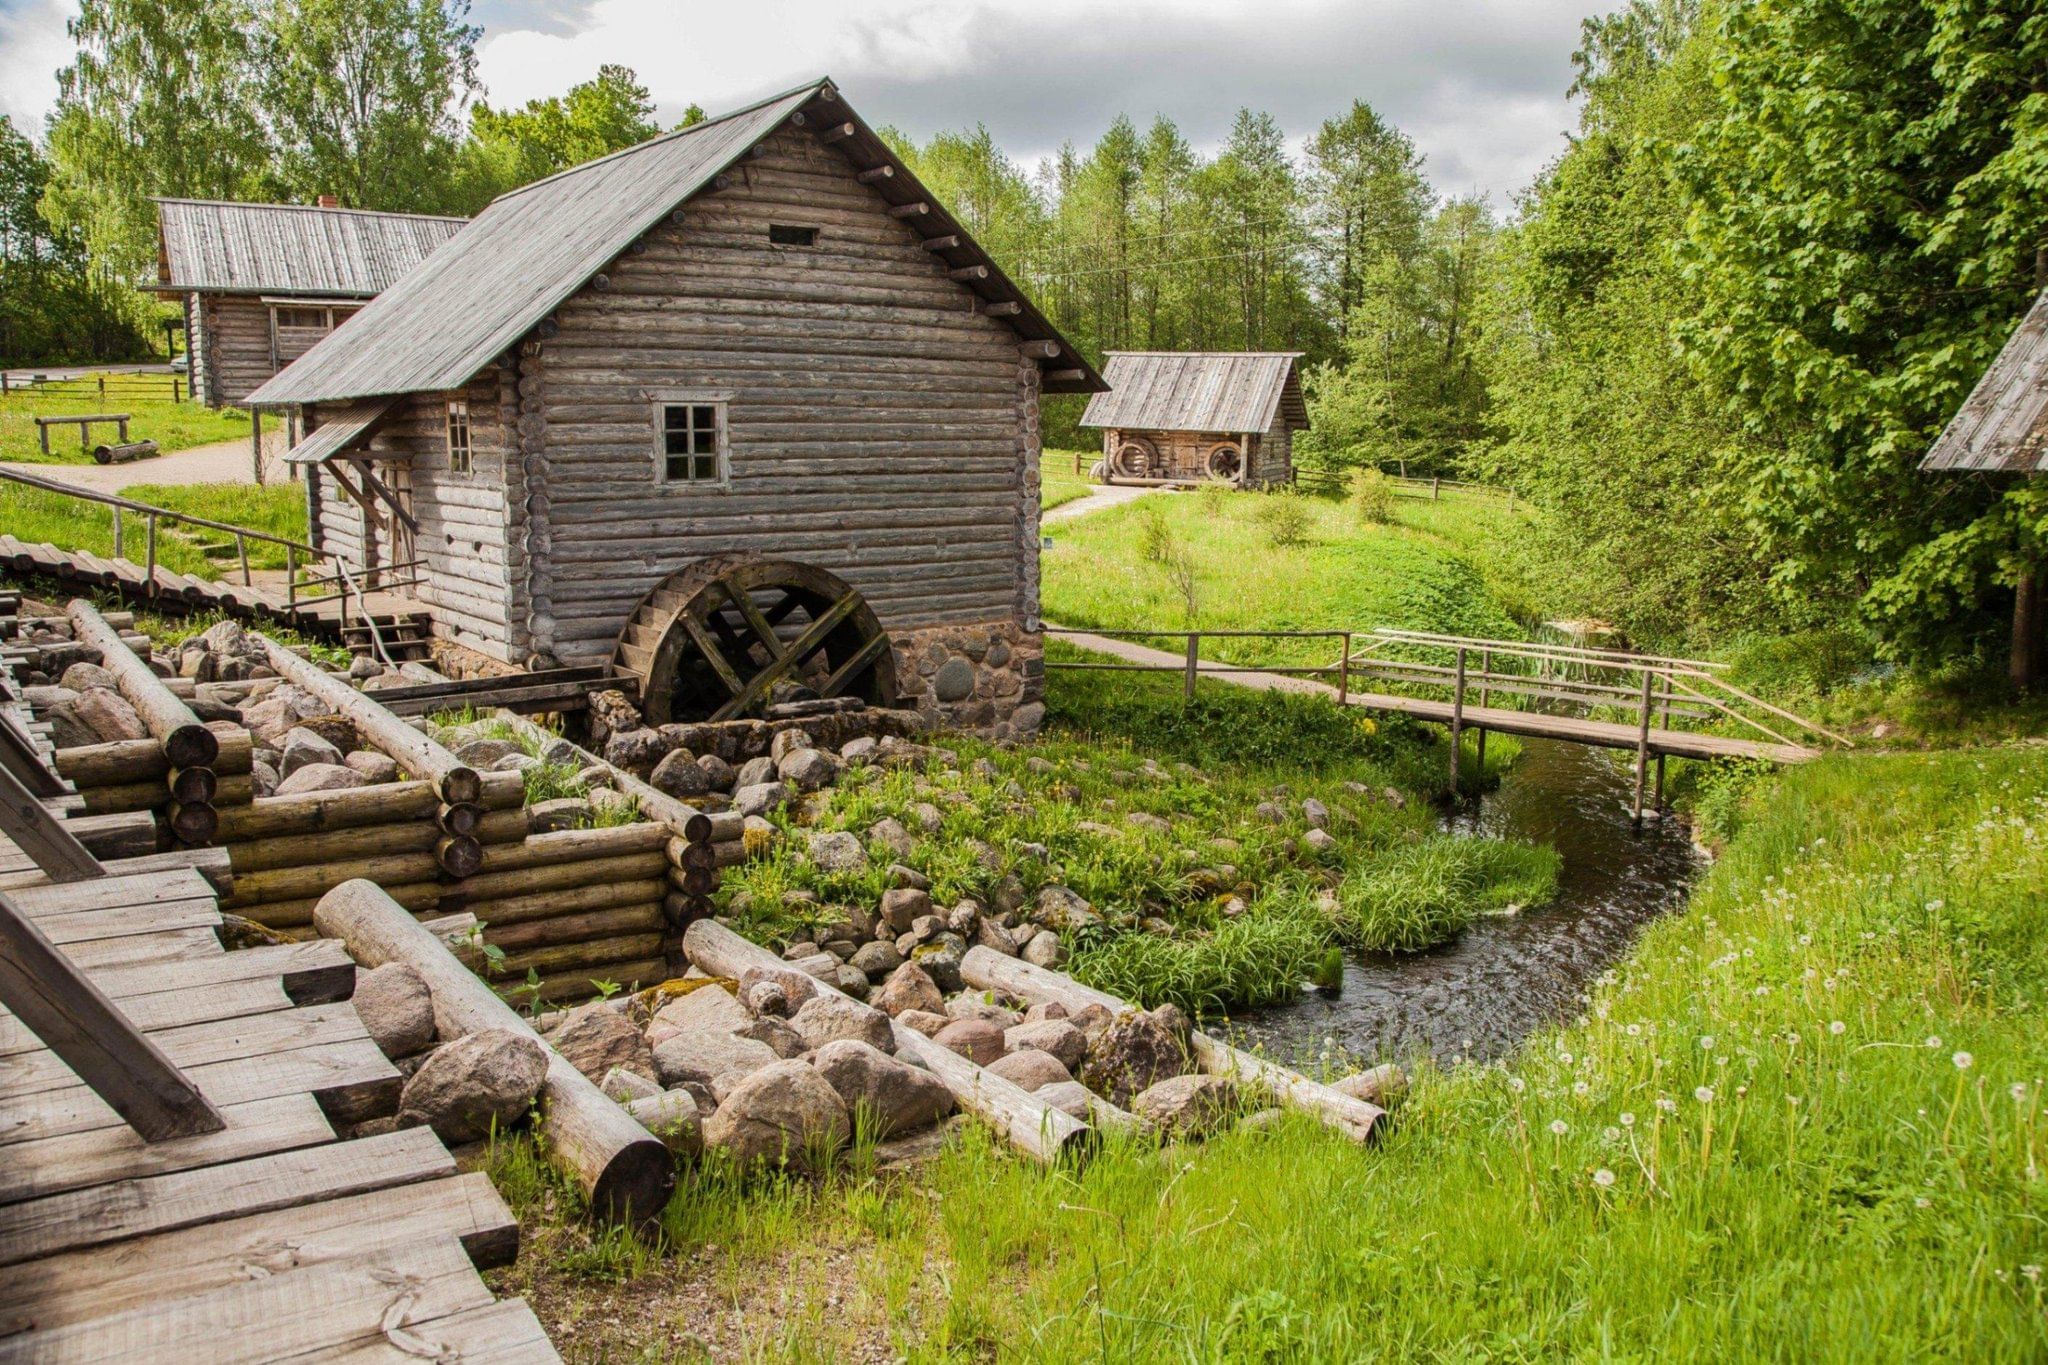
1193	665
1654	690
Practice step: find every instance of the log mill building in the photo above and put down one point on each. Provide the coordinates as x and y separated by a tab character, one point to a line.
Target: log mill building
1180	417
260	284
757	340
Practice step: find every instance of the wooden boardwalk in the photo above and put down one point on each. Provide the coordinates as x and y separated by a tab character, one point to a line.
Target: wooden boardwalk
269	1238
1536	724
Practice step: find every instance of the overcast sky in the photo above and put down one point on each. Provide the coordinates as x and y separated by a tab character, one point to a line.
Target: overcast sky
1479	84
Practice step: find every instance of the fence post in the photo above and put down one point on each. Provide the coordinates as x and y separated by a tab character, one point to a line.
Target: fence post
151	585
1457	718
1194	644
242	549
1485	696
117	532
1642	748
291	577
1434	484
1344	672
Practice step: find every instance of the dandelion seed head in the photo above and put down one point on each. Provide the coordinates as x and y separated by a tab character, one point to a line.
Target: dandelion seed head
1962	1061
1837	1027
1705	1094
1933	1041
1558	1127
1628	1120
1922	1202
1707	1043
1517	1084
1604	1178
2019	1090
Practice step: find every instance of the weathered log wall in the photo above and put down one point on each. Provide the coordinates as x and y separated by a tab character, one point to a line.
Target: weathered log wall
879	423
237	344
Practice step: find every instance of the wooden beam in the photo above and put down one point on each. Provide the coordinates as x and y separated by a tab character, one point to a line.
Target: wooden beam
945	243
838	132
46	991
624	1170
20	756
800	649
187	743
874	173
41	835
914	210
390	499
1004	308
1041	350
968	272
1065	376
455	780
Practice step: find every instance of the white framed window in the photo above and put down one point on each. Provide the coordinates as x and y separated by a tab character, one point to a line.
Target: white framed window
460	459
690	439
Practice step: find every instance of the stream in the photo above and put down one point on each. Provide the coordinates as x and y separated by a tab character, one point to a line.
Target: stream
1478	996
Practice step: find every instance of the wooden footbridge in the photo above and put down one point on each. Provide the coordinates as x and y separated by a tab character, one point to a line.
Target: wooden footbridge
173	1186
1654	706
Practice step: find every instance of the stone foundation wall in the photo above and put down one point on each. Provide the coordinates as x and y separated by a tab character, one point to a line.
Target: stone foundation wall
987	679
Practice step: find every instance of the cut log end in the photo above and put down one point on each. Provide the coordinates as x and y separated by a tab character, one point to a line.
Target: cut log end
635	1185
462	787
460	855
193	823
192	746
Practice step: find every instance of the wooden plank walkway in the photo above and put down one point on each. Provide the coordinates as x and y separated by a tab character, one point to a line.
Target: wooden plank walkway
1537	724
270	1239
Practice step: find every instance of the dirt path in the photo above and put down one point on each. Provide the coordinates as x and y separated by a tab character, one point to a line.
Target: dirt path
221	462
1115	495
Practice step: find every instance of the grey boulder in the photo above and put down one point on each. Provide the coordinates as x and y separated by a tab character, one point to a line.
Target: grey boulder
474	1084
783	1114
396	1008
892	1095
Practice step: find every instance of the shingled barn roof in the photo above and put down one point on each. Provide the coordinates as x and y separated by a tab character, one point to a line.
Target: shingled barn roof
535	246
2003	426
208	246
1211	391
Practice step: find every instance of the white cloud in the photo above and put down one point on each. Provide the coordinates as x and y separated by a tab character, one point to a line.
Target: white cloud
33	47
1479	84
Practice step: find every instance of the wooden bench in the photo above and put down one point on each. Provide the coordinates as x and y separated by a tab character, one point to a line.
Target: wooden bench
84	423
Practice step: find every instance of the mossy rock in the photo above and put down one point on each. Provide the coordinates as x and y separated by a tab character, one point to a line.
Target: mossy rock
647	1003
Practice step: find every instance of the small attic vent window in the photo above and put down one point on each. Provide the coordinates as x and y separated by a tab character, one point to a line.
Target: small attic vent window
781	234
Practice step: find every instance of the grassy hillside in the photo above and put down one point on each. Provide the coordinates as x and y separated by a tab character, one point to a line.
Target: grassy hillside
36	516
1437	566
1803	1120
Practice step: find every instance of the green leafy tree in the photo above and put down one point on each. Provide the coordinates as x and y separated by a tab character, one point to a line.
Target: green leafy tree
515	147
1869	220
1369	201
52	308
364	96
158	101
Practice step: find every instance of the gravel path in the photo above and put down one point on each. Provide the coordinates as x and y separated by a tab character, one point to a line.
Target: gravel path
1115	495
221	462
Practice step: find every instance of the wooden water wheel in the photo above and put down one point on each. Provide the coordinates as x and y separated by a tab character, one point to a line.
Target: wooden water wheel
1226	462
731	633
1135	458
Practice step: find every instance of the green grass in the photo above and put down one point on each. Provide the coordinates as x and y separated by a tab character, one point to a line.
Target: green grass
173	426
35	516
1211	766
1057	481
1803	1120
1431	569
545	781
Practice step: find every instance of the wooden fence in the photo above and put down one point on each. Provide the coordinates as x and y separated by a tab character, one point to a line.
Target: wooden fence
101	388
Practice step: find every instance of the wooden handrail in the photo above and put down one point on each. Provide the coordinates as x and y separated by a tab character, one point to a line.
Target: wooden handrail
149	510
41	835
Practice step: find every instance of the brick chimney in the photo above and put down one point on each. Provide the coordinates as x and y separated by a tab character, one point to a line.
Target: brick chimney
328	201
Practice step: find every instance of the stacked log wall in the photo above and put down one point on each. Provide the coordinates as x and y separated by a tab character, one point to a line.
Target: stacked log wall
873	411
1275	464
237	344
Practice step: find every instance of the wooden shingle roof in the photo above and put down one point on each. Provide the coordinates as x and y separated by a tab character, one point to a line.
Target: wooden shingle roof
209	246
1208	391
536	246
2003	425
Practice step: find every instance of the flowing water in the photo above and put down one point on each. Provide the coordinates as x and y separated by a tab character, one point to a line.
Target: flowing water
1479	995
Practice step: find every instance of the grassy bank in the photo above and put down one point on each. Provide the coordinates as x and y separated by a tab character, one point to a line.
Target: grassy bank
68	523
1057	481
1195	849
1445	566
152	417
1802	1120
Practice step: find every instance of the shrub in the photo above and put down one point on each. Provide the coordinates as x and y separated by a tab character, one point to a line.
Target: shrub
1180	570
1155	536
1286	519
1372	497
1213	497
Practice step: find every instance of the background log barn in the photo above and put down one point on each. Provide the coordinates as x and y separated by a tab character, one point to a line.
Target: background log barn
262	283
1181	417
754	339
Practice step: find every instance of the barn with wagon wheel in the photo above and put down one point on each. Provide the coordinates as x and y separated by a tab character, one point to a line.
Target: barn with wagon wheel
1185	417
736	411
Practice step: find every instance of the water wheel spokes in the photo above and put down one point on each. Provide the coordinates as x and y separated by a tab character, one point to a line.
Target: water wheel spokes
724	637
1226	462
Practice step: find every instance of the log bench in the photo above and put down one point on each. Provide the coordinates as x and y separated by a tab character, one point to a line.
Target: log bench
85	423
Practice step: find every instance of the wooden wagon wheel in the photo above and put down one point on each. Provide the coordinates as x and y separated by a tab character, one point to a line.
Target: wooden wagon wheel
731	633
1226	462
1134	459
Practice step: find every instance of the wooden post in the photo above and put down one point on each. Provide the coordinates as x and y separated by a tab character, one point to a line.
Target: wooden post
1344	672
624	1170
1457	718
150	569
41	835
1642	747
242	550
1485	696
291	577
256	443
19	756
986	969
1435	483
118	547
61	1006
1194	659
